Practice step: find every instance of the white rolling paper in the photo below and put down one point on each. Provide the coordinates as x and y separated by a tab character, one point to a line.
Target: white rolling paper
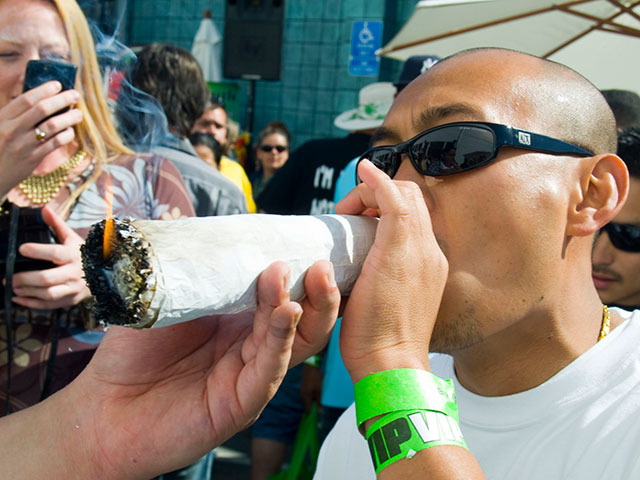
210	265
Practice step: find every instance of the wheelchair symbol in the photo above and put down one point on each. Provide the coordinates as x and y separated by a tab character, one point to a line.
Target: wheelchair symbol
365	35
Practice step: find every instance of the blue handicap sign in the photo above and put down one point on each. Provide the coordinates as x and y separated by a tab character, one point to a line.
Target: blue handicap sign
366	38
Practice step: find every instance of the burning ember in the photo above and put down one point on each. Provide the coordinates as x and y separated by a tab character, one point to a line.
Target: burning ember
108	227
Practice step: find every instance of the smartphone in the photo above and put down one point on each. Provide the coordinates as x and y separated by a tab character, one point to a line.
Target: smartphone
43	71
31	229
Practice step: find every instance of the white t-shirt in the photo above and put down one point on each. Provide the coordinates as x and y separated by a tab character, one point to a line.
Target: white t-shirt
583	423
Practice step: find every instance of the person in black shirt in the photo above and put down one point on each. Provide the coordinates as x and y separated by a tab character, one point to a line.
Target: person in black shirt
306	183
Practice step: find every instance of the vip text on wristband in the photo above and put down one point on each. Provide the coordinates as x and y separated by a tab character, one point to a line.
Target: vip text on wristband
403	389
402	434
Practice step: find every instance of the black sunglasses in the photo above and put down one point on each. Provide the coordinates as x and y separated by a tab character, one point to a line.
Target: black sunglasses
462	146
623	236
268	148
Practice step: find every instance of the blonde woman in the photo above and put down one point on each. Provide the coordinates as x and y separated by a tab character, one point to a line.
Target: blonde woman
66	165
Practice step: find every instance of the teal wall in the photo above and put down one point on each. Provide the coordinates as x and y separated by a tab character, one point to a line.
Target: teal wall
315	85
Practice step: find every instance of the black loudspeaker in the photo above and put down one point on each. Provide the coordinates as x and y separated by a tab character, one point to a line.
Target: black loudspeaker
253	39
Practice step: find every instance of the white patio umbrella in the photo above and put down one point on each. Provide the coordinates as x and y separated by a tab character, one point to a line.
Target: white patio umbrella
598	38
207	49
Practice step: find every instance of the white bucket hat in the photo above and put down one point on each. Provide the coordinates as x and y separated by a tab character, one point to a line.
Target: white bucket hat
374	101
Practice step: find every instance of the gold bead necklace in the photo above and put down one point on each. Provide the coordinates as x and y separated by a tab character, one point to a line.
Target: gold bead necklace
606	322
39	189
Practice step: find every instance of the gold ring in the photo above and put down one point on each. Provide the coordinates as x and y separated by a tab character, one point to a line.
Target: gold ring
40	135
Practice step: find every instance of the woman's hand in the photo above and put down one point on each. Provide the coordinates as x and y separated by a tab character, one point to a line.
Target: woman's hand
20	150
60	286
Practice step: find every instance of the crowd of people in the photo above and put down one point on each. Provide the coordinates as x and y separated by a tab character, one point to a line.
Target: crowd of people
492	332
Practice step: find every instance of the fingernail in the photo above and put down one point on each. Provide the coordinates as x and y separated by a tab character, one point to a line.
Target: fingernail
298	313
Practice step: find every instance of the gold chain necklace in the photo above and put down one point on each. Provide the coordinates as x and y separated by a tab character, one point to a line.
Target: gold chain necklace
606	322
42	188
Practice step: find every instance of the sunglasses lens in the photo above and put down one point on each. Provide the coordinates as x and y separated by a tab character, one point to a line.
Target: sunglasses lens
624	237
268	148
452	149
385	159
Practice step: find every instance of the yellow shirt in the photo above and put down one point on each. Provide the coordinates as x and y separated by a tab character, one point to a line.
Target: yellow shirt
234	172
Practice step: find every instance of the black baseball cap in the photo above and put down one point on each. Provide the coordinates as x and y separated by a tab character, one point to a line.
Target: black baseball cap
413	67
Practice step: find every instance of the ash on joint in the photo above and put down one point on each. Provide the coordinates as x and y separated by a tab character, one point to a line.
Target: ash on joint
118	281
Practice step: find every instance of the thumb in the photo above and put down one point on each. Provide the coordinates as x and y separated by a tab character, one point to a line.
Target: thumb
55	221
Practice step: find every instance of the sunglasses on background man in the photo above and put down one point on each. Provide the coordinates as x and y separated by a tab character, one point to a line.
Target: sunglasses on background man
623	236
462	146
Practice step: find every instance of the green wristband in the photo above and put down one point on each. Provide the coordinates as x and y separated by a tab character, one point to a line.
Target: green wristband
402	434
403	389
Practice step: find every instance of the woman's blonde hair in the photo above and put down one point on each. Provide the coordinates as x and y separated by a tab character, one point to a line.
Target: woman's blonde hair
96	134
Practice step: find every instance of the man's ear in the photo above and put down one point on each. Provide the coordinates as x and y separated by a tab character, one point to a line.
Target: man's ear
604	186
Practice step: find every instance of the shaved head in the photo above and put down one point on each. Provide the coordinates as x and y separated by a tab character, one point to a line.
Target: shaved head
556	100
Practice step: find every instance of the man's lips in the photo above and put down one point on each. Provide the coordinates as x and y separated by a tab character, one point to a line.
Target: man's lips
603	281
